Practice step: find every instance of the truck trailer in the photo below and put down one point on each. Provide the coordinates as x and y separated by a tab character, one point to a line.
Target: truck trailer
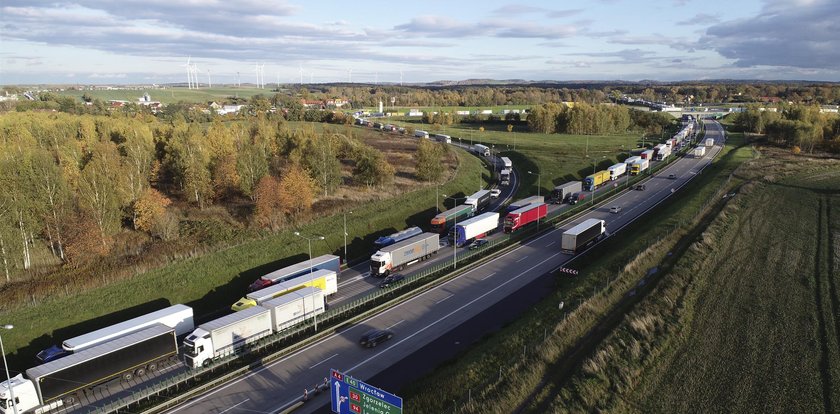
504	177
476	227
639	166
326	261
482	150
699	151
647	155
396	237
178	317
407	252
324	279
617	170
295	307
442	222
591	182
226	336
632	159
525	215
710	142
516	205
61	382
661	152
478	201
563	192
582	235
506	163
421	134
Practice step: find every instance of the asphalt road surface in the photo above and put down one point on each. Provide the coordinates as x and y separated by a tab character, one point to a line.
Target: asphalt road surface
434	315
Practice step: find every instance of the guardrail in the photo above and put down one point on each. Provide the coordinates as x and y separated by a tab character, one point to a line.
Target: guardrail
167	393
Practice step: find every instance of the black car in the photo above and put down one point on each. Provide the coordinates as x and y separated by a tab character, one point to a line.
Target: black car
640	187
672	176
478	243
391	279
372	338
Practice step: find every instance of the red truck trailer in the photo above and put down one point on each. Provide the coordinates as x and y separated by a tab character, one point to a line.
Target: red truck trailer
528	214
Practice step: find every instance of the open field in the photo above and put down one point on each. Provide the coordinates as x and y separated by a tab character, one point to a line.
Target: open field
557	158
210	283
619	264
761	326
173	95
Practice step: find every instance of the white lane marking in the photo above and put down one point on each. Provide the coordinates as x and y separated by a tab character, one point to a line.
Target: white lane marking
237	405
445	298
570	220
396	324
527	271
549	245
488	276
521	259
325	360
351	280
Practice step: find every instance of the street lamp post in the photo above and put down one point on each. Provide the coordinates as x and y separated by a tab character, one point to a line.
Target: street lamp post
8	377
538	181
345	238
455	236
309	242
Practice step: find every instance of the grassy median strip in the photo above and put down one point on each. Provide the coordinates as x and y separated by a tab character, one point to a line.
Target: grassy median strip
616	265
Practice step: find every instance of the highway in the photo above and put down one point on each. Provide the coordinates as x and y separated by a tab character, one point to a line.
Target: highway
426	317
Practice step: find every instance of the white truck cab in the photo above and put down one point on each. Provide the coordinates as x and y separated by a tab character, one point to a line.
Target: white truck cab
380	263
26	397
198	349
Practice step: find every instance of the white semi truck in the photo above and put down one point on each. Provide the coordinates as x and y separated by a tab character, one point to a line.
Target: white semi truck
226	335
61	382
407	252
476	227
582	235
324	279
178	317
617	170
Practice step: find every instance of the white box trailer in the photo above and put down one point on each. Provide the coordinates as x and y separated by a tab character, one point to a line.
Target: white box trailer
582	235
63	381
639	166
710	142
405	253
617	170
647	155
179	317
563	191
506	163
632	159
295	307
324	279
226	336
477	226
699	151
481	150
421	134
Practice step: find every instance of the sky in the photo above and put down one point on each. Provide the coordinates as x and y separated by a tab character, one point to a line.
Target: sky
150	41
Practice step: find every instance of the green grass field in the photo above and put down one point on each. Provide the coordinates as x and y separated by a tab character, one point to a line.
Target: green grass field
609	266
212	282
762	325
172	94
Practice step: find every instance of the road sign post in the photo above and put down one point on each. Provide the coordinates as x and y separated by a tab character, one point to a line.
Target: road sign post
351	396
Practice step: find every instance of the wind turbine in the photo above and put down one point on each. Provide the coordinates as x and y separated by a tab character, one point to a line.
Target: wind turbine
400	77
189	73
238	79
257	70
262	76
301	73
195	75
209	82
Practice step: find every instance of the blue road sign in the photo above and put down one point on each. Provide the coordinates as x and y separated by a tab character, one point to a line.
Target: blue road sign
351	396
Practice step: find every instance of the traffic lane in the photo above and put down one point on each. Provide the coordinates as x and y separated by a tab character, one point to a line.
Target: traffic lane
443	305
504	260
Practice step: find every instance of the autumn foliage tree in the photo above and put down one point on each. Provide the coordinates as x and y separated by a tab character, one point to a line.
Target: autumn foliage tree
429	161
149	209
297	191
268	211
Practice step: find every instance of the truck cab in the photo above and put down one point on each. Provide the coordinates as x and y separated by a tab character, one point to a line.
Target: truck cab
26	398
380	264
198	349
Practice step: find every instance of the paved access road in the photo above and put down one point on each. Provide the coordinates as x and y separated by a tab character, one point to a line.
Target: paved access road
421	320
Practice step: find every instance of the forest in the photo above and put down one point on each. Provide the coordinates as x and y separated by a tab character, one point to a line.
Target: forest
801	126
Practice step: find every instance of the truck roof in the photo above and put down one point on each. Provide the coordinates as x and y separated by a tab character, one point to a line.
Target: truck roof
177	316
291	297
232	318
95	351
408	242
289	284
479	194
454	210
526	208
299	267
569	184
583	226
479	218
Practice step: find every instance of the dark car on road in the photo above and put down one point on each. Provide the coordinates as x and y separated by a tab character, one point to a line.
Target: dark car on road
672	176
372	338
640	187
390	280
478	243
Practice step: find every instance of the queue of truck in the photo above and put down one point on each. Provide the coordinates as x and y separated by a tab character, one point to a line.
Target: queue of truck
277	300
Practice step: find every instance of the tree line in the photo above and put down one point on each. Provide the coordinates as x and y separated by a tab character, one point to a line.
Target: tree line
585	119
803	126
73	182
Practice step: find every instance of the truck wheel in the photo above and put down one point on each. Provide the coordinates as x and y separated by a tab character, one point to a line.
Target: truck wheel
152	366
139	372
69	400
206	363
127	376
